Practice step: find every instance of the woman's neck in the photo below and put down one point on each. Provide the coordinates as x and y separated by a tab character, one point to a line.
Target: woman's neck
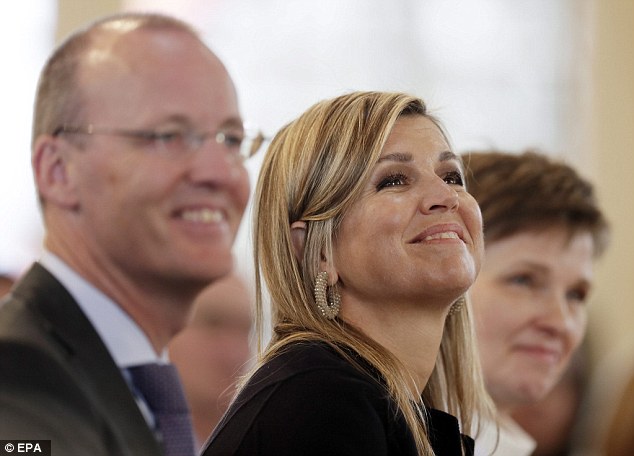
413	336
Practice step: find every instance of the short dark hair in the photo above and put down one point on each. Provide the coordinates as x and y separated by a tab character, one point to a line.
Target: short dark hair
531	191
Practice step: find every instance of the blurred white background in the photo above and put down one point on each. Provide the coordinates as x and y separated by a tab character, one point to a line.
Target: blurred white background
498	73
511	74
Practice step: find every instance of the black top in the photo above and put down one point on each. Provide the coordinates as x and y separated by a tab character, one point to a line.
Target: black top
309	400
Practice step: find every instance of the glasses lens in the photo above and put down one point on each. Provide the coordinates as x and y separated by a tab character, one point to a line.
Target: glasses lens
252	142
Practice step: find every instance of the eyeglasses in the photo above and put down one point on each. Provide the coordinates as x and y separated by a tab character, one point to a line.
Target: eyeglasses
178	142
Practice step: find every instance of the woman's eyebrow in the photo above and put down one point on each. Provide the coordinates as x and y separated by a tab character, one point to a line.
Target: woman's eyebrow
402	157
448	155
397	157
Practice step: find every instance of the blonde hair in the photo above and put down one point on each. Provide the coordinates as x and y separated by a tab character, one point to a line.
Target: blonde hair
314	171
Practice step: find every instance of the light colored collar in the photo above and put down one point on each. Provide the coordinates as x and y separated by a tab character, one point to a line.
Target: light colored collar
124	339
513	440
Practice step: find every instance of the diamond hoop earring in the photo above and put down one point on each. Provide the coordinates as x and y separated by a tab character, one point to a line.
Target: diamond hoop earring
457	306
322	294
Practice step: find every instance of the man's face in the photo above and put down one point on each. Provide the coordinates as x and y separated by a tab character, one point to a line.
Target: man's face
154	217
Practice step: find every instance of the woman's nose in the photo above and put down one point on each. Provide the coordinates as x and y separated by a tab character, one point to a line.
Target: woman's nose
438	196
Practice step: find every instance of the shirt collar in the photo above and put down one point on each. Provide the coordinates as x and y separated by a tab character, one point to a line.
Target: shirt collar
125	340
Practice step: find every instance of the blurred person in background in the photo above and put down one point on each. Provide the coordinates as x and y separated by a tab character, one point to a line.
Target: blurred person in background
553	421
543	231
213	350
6	282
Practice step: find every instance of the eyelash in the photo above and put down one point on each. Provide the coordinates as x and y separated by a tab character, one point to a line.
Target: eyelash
397	179
456	177
391	181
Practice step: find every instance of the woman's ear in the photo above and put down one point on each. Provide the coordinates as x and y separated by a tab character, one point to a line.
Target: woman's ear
333	275
298	238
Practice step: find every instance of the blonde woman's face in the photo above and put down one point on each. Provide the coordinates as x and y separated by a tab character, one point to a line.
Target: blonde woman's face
414	237
530	312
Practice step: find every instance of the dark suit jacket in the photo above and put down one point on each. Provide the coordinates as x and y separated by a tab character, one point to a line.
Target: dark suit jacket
58	381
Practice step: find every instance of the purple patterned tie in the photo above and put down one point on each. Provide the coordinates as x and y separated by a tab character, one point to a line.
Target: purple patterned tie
161	388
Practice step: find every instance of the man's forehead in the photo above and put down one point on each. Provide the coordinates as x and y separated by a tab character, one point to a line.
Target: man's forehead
129	68
128	39
136	49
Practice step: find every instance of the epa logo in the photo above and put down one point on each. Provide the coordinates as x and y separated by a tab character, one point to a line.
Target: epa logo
23	448
39	447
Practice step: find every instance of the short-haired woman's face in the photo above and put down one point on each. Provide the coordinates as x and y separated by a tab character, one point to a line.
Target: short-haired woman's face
530	312
414	236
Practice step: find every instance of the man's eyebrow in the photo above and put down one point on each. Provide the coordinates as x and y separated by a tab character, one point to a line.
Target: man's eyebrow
232	122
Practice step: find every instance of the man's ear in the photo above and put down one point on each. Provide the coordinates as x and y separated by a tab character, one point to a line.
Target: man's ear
51	172
298	238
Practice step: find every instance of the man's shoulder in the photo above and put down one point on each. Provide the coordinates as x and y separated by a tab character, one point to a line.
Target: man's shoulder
23	319
40	311
37	369
57	380
40	398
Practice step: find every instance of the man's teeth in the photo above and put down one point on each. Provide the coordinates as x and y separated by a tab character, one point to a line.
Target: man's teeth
203	216
447	235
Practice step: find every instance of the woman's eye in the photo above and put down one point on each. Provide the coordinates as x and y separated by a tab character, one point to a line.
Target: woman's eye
454	178
522	279
577	295
392	180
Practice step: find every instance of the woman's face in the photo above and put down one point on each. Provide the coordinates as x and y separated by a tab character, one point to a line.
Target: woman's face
415	235
530	313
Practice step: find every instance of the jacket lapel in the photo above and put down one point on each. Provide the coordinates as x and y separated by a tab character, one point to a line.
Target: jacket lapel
89	359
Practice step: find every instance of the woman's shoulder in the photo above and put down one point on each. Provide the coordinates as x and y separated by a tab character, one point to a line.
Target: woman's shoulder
312	360
308	391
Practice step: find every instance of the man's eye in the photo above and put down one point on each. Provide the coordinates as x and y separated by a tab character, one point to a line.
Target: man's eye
232	139
454	178
167	137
